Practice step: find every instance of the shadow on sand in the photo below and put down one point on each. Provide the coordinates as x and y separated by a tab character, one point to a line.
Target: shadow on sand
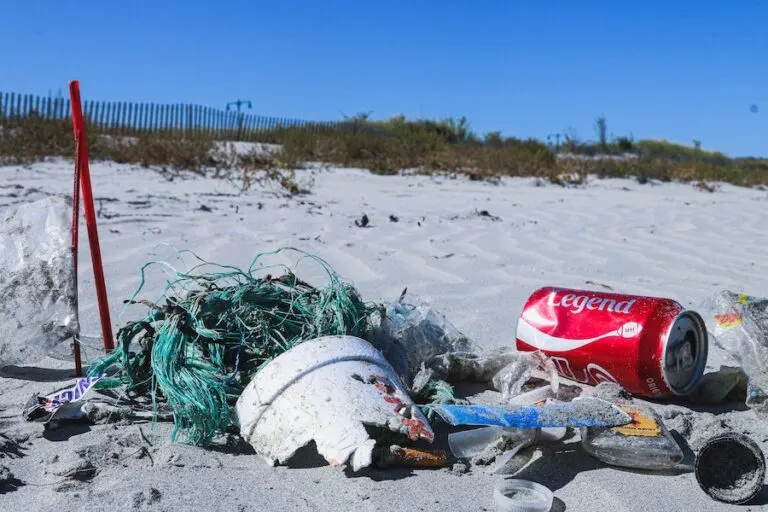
35	374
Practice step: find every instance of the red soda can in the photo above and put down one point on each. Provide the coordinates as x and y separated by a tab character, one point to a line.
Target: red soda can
649	346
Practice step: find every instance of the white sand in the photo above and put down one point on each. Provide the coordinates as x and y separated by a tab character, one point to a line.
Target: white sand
666	239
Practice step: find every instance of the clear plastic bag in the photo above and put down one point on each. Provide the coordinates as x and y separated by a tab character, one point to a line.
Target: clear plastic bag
38	288
511	379
738	324
421	344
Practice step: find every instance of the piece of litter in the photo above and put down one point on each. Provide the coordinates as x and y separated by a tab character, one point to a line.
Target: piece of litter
513	495
731	468
581	412
330	390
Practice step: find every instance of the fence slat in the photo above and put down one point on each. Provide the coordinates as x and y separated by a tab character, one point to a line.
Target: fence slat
142	108
152	118
95	114
108	116
121	107
254	134
126	119
116	116
130	121
177	121
246	128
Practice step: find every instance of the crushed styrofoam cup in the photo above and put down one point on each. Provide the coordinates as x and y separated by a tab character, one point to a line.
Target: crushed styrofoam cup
329	390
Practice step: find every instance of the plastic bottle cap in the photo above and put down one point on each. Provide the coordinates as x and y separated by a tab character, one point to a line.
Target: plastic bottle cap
731	468
512	495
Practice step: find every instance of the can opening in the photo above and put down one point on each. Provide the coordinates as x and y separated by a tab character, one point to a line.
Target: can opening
686	353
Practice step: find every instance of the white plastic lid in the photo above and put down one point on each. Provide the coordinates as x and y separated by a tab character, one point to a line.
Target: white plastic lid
513	495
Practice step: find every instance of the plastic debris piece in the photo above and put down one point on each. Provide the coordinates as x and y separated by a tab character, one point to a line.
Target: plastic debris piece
514	495
468	443
399	457
581	412
739	325
511	379
643	444
415	338
541	435
534	396
498	444
38	287
731	468
328	390
52	407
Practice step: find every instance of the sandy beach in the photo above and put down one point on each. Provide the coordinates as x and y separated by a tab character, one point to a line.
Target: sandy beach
474	250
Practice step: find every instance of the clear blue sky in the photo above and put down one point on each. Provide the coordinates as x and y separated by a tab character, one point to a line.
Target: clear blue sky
680	70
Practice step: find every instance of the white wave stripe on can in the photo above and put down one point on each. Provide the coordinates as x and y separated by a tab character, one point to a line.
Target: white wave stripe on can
530	335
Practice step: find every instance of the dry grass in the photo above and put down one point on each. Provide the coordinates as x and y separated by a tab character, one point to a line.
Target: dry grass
33	140
385	148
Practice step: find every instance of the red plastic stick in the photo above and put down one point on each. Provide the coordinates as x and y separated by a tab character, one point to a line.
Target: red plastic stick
89	212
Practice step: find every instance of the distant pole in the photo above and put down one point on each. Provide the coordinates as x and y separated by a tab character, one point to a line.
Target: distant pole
240	115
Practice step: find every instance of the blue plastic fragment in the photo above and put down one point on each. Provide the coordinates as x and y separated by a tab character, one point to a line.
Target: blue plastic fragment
571	414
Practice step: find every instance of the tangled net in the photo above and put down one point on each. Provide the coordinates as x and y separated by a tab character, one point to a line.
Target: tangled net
202	346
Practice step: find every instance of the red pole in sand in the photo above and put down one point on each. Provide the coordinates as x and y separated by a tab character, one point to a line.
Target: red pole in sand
89	211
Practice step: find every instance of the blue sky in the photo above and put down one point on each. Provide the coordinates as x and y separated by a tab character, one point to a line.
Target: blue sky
679	70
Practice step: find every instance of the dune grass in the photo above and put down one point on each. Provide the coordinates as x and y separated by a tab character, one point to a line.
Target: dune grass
388	147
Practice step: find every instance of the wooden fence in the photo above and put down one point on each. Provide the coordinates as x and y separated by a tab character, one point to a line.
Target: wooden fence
124	118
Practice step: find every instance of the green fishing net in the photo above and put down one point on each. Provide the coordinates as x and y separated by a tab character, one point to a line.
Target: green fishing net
202	343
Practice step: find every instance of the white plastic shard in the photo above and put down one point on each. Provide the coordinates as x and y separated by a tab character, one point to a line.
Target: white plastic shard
328	390
38	289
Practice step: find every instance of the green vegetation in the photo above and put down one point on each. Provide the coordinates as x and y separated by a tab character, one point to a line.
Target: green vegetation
388	147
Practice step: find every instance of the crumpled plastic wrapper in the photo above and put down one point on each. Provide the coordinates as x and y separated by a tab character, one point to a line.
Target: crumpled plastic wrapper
38	288
421	344
738	324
